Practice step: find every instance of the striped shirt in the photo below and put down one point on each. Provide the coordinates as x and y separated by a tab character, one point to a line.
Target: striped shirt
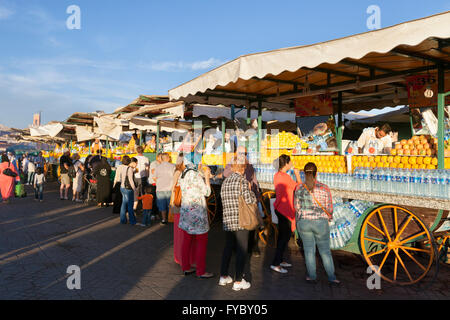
307	208
230	192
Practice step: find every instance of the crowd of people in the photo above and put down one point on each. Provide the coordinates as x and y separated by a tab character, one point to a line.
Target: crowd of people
178	192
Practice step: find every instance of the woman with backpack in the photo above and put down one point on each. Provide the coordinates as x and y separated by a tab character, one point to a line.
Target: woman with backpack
8	176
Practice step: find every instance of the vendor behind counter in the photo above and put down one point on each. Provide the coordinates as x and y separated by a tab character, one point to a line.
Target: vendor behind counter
379	136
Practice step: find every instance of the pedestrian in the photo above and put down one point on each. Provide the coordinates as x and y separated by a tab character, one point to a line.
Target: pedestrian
25	169
38	184
31	169
164	178
195	186
284	209
147	205
174	208
78	179
141	176
124	176
102	173
8	176
250	175
236	238
64	163
13	160
314	208
116	194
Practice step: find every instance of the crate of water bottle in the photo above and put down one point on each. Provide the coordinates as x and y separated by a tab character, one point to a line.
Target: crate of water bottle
336	180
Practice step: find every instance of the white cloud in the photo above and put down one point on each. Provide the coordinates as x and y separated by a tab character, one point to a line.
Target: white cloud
180	65
5	13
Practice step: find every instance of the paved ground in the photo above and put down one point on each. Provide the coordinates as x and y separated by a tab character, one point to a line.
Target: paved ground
38	241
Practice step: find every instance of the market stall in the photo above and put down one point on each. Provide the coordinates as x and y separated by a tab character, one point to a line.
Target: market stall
396	218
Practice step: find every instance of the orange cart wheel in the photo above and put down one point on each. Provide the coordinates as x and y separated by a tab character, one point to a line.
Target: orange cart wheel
211	203
396	244
443	244
270	232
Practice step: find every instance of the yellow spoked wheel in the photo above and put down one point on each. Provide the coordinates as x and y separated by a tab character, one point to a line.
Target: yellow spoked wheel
392	241
211	203
270	232
443	244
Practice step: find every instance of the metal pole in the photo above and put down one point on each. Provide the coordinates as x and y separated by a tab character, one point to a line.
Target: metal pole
259	124
339	128
232	112
411	122
249	113
89	147
157	137
441	116
223	142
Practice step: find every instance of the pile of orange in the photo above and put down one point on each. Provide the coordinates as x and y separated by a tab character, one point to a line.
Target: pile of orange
330	164
395	162
416	146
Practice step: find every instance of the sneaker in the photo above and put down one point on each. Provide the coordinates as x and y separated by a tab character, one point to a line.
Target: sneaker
141	224
243	285
163	222
285	265
206	275
278	269
225	280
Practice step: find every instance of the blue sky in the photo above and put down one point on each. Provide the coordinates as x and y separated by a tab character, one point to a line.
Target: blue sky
128	48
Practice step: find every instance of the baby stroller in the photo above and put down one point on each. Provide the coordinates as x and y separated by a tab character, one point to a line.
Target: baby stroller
91	189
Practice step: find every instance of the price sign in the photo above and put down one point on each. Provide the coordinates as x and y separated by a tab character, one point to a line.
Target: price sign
423	90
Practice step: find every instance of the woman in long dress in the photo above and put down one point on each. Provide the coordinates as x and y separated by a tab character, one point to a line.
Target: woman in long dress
102	173
7	182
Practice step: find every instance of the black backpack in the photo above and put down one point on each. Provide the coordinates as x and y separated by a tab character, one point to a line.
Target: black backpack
72	173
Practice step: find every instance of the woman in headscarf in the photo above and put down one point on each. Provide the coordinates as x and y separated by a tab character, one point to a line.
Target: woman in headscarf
7	180
102	174
195	186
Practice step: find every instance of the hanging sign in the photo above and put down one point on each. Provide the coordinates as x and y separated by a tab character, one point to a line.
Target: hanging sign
423	90
320	105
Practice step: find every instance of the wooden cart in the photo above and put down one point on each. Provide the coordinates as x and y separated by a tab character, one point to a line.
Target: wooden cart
398	237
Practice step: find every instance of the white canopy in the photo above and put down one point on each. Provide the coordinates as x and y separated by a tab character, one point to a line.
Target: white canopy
240	77
49	130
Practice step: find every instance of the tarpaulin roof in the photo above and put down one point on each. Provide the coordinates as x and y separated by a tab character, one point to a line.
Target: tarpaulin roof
367	68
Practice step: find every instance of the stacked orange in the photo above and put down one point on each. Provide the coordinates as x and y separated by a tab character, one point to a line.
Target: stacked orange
411	162
416	146
330	164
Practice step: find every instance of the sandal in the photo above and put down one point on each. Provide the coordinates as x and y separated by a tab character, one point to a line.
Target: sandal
188	272
335	283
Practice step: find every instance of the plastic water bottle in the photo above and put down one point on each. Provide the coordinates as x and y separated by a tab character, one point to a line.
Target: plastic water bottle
441	183
388	180
426	183
447	184
434	186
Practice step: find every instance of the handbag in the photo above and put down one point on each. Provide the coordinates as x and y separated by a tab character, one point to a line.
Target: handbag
127	184
330	217
177	190
8	172
249	217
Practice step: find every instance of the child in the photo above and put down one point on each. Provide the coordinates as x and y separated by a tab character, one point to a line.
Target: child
147	205
38	184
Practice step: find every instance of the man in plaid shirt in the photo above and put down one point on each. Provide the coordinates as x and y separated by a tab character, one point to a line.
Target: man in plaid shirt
312	223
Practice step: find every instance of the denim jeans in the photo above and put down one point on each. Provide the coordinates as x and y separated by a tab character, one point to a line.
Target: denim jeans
146	217
30	179
127	205
39	191
316	232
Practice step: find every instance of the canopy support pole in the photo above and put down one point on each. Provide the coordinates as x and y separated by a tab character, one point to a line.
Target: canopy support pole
258	147
157	137
339	128
441	116
232	112
411	122
249	113
223	143
89	146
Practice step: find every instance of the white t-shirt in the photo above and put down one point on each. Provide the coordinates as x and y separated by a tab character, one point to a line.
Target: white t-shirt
142	165
369	135
77	167
31	167
153	166
39	179
164	176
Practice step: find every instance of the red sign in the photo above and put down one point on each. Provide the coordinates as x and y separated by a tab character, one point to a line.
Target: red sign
423	90
320	105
